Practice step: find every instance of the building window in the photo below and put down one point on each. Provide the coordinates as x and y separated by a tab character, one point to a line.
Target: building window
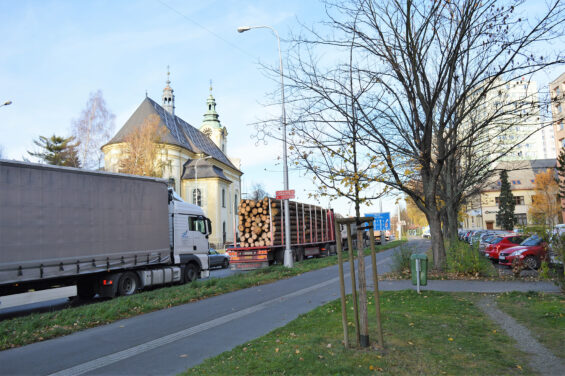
557	91
519	200
235	203
197	197
224	233
223	198
521	219
559	108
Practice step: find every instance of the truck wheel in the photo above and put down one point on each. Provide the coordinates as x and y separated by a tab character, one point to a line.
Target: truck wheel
190	272
531	262
85	290
128	284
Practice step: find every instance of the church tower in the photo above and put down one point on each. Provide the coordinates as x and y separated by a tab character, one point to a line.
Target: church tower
168	96
211	126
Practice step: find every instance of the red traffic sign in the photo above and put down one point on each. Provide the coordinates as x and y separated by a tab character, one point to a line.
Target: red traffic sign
285	195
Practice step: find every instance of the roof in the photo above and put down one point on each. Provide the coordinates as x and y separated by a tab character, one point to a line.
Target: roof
521	174
177	132
205	170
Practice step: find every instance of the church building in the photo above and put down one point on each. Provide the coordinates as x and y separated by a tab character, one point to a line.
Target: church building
194	161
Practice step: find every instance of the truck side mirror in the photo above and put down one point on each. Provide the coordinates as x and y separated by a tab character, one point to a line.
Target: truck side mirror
209	225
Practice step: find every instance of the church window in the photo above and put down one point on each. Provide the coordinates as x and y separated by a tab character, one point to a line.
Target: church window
210	107
235	203
197	197
223	198
224	233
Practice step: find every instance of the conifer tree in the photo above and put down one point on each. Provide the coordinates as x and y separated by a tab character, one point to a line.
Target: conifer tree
57	150
506	204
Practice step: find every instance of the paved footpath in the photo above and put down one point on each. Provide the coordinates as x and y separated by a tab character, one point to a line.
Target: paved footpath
170	341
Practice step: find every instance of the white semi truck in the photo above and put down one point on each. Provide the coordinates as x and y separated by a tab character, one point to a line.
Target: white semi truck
108	234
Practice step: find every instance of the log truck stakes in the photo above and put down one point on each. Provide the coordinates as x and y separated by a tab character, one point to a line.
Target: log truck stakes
261	233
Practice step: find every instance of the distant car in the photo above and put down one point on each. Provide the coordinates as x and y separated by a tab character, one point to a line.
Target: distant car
501	243
218	259
531	252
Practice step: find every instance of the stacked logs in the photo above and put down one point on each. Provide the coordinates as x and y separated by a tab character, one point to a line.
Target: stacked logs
254	222
308	223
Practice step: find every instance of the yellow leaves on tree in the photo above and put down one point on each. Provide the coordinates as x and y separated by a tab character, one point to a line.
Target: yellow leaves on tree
142	151
545	202
415	215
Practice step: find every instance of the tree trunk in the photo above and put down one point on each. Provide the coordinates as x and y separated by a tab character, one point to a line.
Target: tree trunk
452	222
438	248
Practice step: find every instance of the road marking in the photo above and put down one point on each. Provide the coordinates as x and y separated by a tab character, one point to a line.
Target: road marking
136	350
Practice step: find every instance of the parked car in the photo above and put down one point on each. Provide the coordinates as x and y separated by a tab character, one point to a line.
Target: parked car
531	252
218	259
501	243
486	240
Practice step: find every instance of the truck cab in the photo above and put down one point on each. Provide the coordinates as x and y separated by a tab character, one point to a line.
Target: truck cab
189	232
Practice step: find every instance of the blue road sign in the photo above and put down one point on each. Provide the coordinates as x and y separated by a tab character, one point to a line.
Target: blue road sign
381	222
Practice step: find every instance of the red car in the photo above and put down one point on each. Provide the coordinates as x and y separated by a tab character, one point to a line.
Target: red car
503	242
531	252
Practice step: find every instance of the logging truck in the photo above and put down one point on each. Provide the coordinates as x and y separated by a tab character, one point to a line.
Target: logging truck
261	233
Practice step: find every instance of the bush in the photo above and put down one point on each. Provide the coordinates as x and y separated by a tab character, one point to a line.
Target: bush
401	259
465	260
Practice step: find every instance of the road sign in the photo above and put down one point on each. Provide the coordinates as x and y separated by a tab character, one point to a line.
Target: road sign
285	195
381	222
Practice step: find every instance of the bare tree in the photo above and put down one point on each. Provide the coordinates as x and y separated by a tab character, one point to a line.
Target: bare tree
93	129
258	192
435	70
143	149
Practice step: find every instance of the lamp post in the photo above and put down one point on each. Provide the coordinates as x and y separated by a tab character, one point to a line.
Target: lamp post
196	177
7	103
288	260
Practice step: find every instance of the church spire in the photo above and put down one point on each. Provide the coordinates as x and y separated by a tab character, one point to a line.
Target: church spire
211	126
168	96
211	117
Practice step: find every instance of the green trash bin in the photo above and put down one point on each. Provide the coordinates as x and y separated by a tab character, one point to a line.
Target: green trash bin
423	269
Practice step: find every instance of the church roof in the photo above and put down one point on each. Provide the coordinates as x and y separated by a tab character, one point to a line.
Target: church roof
205	170
178	132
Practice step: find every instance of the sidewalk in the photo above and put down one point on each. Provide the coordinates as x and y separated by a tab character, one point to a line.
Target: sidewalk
471	286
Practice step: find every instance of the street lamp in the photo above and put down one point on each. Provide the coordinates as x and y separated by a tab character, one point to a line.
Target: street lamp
288	260
196	177
7	103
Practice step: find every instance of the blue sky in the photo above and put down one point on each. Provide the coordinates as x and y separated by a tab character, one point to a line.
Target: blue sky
54	53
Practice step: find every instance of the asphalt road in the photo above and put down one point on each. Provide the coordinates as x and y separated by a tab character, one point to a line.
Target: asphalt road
64	302
170	341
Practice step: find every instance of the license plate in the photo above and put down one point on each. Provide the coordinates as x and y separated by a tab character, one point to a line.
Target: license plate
502	258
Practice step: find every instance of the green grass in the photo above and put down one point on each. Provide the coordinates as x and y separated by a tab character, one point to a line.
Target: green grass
542	314
41	326
432	334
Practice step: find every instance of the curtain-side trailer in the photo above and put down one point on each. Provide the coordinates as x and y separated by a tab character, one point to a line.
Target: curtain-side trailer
261	233
108	234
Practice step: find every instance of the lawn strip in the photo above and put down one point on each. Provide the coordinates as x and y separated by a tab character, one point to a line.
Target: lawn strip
433	333
543	314
42	326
